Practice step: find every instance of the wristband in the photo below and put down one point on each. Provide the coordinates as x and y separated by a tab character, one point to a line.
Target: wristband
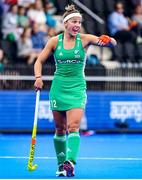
38	77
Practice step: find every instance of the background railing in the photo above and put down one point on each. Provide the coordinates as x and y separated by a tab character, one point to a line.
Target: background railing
98	78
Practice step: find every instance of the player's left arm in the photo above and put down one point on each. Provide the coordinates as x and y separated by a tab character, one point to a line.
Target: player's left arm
103	40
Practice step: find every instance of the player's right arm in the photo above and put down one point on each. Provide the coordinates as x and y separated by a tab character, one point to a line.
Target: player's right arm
102	40
50	46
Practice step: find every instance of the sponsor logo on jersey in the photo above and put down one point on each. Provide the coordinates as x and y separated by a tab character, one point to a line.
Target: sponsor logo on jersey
68	61
76	51
77	56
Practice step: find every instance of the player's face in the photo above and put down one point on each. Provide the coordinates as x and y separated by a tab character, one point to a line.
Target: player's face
73	25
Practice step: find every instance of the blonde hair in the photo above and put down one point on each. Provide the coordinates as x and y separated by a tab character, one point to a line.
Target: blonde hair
69	10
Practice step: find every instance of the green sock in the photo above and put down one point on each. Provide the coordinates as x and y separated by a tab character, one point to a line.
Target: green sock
73	146
60	147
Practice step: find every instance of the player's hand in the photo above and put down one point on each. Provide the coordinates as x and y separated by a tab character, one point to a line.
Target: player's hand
38	84
104	40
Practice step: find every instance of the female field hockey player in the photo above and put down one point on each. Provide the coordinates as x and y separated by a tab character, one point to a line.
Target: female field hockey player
68	91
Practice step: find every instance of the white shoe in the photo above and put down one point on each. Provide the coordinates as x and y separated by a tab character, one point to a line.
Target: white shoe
60	171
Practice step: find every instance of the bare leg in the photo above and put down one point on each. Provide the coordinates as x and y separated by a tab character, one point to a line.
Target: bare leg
74	117
60	122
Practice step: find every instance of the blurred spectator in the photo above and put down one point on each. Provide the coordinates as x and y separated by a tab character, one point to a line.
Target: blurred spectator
122	29
11	2
25	47
23	20
1	58
5	6
26	3
1	16
51	7
119	25
39	38
92	60
10	24
1	55
1	52
1	8
137	17
10	51
136	2
53	21
50	21
36	15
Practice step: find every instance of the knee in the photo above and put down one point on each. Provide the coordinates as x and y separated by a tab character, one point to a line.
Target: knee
74	127
61	129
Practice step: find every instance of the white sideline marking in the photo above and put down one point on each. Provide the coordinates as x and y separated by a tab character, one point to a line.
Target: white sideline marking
81	158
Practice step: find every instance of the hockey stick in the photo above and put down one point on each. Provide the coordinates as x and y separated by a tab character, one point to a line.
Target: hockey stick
31	166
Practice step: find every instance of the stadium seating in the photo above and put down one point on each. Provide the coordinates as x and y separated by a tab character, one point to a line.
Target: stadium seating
102	8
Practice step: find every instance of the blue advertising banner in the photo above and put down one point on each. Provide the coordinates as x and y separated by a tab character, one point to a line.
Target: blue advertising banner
104	110
108	110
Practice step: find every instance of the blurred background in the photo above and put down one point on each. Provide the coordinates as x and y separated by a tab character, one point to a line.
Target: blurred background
113	75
